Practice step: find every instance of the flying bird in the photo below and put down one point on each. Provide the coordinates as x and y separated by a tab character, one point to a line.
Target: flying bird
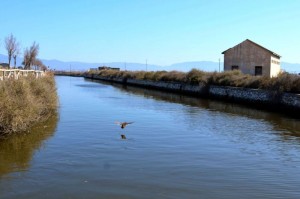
123	124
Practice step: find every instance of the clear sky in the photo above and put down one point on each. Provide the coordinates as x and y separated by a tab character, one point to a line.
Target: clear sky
162	31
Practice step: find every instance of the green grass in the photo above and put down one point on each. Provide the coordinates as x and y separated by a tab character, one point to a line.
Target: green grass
25	102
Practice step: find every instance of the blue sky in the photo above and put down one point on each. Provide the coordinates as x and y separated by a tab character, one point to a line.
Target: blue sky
162	31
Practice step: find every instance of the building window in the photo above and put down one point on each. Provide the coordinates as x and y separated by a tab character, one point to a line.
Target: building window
275	62
234	67
258	70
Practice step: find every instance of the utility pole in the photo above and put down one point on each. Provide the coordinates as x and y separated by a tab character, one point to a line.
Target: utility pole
70	74
146	64
219	65
125	66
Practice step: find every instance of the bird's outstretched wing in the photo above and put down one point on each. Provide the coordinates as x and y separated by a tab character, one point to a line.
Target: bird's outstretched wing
127	123
118	123
123	124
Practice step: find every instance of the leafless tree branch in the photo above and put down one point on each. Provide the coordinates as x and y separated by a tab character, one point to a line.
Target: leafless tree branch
11	46
30	56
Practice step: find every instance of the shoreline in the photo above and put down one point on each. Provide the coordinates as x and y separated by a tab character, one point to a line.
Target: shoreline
26	102
286	103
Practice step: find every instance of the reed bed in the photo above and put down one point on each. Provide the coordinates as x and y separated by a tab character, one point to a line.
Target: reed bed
284	82
26	101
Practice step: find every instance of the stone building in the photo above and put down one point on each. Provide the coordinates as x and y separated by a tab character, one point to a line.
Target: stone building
251	58
107	68
103	68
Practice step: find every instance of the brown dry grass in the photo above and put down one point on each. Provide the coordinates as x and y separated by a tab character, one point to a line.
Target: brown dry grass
285	82
25	102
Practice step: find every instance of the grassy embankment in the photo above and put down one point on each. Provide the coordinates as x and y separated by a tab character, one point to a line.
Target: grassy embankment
285	82
25	102
69	73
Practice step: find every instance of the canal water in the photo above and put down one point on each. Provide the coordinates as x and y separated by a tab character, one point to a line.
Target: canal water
177	147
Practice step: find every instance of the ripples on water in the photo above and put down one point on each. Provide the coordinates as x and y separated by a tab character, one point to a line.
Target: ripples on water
178	147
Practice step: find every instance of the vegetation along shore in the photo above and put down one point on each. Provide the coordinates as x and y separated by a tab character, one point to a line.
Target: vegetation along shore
279	94
26	98
26	101
285	82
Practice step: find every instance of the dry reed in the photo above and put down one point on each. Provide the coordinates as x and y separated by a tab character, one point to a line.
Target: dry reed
25	102
285	82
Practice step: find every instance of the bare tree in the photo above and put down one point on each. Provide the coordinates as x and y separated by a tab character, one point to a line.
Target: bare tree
39	65
11	46
30	55
26	59
16	54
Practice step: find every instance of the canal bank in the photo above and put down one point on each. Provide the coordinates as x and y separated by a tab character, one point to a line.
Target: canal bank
26	101
287	103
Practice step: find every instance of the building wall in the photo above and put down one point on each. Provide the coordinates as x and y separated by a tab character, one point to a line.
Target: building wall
275	66
247	55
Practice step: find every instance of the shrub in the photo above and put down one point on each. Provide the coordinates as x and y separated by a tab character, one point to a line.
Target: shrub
158	75
197	76
285	82
149	75
25	102
173	76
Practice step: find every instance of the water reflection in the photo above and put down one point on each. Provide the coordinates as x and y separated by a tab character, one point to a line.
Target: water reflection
178	147
288	127
17	151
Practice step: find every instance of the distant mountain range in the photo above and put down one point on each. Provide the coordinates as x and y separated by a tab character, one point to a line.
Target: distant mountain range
184	66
